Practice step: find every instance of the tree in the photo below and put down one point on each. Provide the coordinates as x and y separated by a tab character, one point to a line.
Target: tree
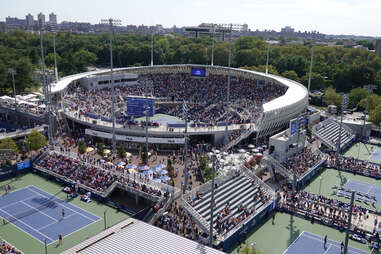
100	149
35	141
332	98
9	144
375	115
291	75
355	96
82	147
317	81
144	155
203	165
121	151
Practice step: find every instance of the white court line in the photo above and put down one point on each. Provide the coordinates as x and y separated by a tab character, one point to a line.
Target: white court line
50	224
293	242
39	211
11	204
27	226
63	204
329	246
319	238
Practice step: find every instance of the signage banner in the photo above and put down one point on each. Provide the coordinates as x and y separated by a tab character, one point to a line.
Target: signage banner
152	140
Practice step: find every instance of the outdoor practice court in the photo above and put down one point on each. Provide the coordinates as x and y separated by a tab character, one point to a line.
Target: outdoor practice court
38	214
375	156
314	244
365	188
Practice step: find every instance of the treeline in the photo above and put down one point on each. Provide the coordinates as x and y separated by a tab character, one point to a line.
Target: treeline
340	68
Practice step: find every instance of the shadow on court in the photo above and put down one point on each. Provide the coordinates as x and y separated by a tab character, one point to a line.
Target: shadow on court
294	231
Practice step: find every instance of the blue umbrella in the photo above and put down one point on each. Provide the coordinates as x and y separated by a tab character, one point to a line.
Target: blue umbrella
148	172
162	172
145	167
161	165
132	166
165	178
121	163
156	168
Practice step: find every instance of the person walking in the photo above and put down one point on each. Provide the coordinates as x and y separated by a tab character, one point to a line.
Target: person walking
63	213
325	242
59	239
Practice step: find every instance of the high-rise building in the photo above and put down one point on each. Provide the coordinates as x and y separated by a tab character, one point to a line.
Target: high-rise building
378	47
29	20
53	19
41	19
287	30
16	22
245	28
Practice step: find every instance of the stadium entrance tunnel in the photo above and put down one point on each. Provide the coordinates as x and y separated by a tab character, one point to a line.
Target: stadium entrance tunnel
129	202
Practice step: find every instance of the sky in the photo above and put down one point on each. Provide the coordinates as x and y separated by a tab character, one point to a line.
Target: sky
350	17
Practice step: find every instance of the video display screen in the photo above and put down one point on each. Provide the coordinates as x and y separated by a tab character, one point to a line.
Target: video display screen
198	72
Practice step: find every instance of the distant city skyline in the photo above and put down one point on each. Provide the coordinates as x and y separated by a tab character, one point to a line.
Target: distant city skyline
350	17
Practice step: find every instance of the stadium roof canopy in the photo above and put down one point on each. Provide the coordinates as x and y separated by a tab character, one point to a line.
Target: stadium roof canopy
134	236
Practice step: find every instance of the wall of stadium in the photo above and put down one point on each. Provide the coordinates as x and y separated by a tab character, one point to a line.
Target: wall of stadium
276	114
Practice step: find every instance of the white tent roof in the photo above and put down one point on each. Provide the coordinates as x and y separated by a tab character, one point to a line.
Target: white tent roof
134	236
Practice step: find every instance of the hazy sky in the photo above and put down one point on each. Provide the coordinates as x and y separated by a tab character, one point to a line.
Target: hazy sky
359	17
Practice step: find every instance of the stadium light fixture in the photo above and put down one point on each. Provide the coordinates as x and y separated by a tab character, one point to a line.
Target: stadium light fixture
112	22
13	72
186	173
343	108
53	29
230	28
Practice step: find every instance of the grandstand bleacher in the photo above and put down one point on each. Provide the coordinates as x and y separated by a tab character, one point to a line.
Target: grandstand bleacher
328	132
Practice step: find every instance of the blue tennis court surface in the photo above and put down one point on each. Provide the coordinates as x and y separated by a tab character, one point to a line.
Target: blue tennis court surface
361	188
314	244
375	156
38	214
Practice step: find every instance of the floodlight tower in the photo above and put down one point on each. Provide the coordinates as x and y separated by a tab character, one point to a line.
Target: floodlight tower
214	33
146	84
53	27
230	27
299	121
45	90
215	166
152	40
368	88
13	72
267	58
343	108
112	22
310	72
186	173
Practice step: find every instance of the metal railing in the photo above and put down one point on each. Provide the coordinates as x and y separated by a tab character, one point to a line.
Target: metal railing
279	167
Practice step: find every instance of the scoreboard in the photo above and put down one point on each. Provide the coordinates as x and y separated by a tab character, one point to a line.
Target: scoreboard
136	106
198	72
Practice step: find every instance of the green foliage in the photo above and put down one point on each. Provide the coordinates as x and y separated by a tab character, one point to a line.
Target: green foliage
355	96
35	141
250	250
374	101
332	98
121	151
375	115
100	149
9	144
203	165
82	147
144	155
342	68
291	74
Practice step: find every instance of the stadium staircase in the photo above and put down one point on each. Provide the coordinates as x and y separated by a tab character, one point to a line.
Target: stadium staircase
235	190
237	140
328	133
278	167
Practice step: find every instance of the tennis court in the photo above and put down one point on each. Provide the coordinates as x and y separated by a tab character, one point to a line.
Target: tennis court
364	191
314	244
38	214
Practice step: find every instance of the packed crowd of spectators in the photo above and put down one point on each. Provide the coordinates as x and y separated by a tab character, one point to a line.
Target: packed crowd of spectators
206	97
329	211
99	179
306	159
353	165
5	248
232	214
